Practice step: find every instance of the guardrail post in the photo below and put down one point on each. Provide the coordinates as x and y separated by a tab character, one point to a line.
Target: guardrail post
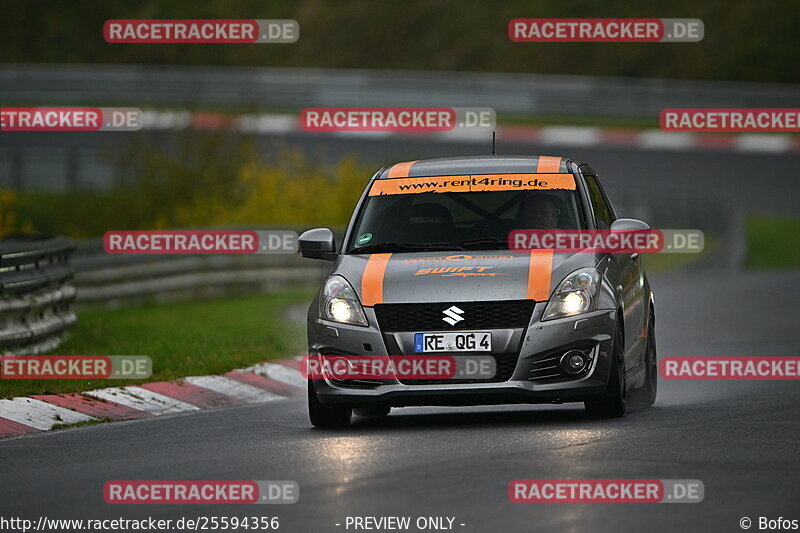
35	293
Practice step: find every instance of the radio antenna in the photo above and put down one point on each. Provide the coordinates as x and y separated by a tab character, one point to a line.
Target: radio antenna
493	143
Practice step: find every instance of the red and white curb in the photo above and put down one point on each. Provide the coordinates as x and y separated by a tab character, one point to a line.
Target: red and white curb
264	382
644	139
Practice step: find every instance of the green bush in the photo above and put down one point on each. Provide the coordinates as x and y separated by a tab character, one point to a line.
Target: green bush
206	180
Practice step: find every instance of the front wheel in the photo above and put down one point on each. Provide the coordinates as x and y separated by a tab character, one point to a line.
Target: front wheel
612	403
326	416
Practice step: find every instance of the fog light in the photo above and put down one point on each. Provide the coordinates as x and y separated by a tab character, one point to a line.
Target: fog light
573	362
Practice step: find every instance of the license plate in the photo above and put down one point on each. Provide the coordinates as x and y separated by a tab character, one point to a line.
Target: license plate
463	341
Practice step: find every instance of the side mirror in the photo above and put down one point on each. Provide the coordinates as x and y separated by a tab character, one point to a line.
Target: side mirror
318	243
629	224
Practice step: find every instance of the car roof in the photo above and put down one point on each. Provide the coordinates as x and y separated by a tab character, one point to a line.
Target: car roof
490	164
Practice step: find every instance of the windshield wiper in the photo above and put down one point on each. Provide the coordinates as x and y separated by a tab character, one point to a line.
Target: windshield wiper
403	247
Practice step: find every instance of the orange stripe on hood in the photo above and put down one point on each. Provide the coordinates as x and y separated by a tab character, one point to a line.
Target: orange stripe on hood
548	164
372	279
400	170
541	266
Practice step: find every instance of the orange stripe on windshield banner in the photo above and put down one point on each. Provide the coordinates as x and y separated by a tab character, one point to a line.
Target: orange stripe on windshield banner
372	279
400	170
541	265
548	164
473	183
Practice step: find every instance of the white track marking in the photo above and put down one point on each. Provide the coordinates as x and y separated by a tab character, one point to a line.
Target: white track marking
38	414
234	389
667	140
166	120
267	123
763	142
575	135
143	400
281	373
569	135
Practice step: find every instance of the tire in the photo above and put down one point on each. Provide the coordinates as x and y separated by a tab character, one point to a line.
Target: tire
612	403
326	416
650	389
373	411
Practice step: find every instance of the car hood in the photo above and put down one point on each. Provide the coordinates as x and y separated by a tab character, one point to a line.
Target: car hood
425	277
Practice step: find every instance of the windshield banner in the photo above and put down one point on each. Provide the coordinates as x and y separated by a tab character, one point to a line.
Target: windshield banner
473	183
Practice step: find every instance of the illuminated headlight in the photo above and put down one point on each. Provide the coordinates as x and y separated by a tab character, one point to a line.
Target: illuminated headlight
577	294
339	303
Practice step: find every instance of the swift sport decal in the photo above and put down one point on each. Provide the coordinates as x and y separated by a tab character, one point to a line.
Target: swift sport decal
462	271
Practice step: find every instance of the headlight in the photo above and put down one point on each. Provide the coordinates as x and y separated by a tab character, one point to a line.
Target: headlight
340	303
577	294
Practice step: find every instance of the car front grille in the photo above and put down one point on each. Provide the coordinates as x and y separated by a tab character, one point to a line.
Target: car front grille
507	314
477	316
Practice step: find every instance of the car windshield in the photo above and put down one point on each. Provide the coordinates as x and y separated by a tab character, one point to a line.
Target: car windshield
459	220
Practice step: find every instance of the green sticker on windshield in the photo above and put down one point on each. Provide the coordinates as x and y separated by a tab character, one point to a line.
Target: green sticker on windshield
364	238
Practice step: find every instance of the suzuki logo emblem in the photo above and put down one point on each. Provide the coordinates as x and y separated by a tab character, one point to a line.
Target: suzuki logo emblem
452	315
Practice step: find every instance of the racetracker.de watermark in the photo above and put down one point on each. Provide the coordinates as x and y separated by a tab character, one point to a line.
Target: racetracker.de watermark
70	119
409	119
201	492
605	30
236	242
383	367
606	491
75	367
608	241
731	120
730	368
192	31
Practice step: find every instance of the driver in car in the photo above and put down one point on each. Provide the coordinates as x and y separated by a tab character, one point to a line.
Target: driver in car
538	211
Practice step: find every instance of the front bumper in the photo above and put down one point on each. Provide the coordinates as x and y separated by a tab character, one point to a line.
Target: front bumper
592	331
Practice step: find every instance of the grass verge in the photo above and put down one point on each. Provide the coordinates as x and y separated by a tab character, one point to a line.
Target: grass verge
660	263
772	242
183	339
80	424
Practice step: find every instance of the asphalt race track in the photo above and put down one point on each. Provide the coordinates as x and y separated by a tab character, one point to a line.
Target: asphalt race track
738	438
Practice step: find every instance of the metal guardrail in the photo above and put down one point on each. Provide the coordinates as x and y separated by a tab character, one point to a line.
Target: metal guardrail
272	87
122	280
57	162
35	294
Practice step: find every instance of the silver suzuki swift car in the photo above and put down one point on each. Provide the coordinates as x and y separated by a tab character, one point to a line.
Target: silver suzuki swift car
424	269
